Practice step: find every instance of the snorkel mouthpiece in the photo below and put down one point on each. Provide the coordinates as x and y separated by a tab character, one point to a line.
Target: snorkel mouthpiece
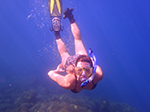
84	83
95	63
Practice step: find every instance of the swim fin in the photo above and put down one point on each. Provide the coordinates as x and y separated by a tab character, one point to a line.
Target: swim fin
55	8
55	11
68	14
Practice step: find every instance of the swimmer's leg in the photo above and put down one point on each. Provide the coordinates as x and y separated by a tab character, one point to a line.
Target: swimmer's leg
61	48
79	47
55	11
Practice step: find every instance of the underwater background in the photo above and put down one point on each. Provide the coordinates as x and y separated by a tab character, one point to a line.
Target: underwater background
118	32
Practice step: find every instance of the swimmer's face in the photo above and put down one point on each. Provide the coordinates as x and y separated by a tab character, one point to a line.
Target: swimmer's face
83	75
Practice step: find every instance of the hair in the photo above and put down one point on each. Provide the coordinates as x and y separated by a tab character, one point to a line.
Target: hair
84	58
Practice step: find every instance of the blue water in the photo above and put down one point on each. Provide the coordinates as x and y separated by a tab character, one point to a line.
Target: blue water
118	32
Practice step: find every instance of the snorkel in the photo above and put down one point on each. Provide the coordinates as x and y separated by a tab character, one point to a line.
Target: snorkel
95	63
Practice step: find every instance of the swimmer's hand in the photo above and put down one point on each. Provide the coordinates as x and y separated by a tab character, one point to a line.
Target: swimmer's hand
59	69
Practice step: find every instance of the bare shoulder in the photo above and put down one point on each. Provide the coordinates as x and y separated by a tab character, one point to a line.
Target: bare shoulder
71	79
98	75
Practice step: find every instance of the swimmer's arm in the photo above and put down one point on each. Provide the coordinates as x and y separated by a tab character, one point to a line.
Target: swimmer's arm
61	80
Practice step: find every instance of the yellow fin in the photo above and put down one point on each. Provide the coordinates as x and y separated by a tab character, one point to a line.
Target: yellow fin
58	6
51	6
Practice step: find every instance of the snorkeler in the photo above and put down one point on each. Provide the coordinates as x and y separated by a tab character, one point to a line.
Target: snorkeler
82	72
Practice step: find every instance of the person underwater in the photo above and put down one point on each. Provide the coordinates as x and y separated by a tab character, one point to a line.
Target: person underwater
82	71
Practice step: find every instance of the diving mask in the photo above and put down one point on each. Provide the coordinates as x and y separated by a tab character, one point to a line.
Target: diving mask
88	70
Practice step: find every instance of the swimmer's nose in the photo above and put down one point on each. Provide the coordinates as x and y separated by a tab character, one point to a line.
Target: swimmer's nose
83	73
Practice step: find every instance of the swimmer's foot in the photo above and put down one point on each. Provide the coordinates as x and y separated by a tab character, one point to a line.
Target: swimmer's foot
56	27
68	14
56	24
57	34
